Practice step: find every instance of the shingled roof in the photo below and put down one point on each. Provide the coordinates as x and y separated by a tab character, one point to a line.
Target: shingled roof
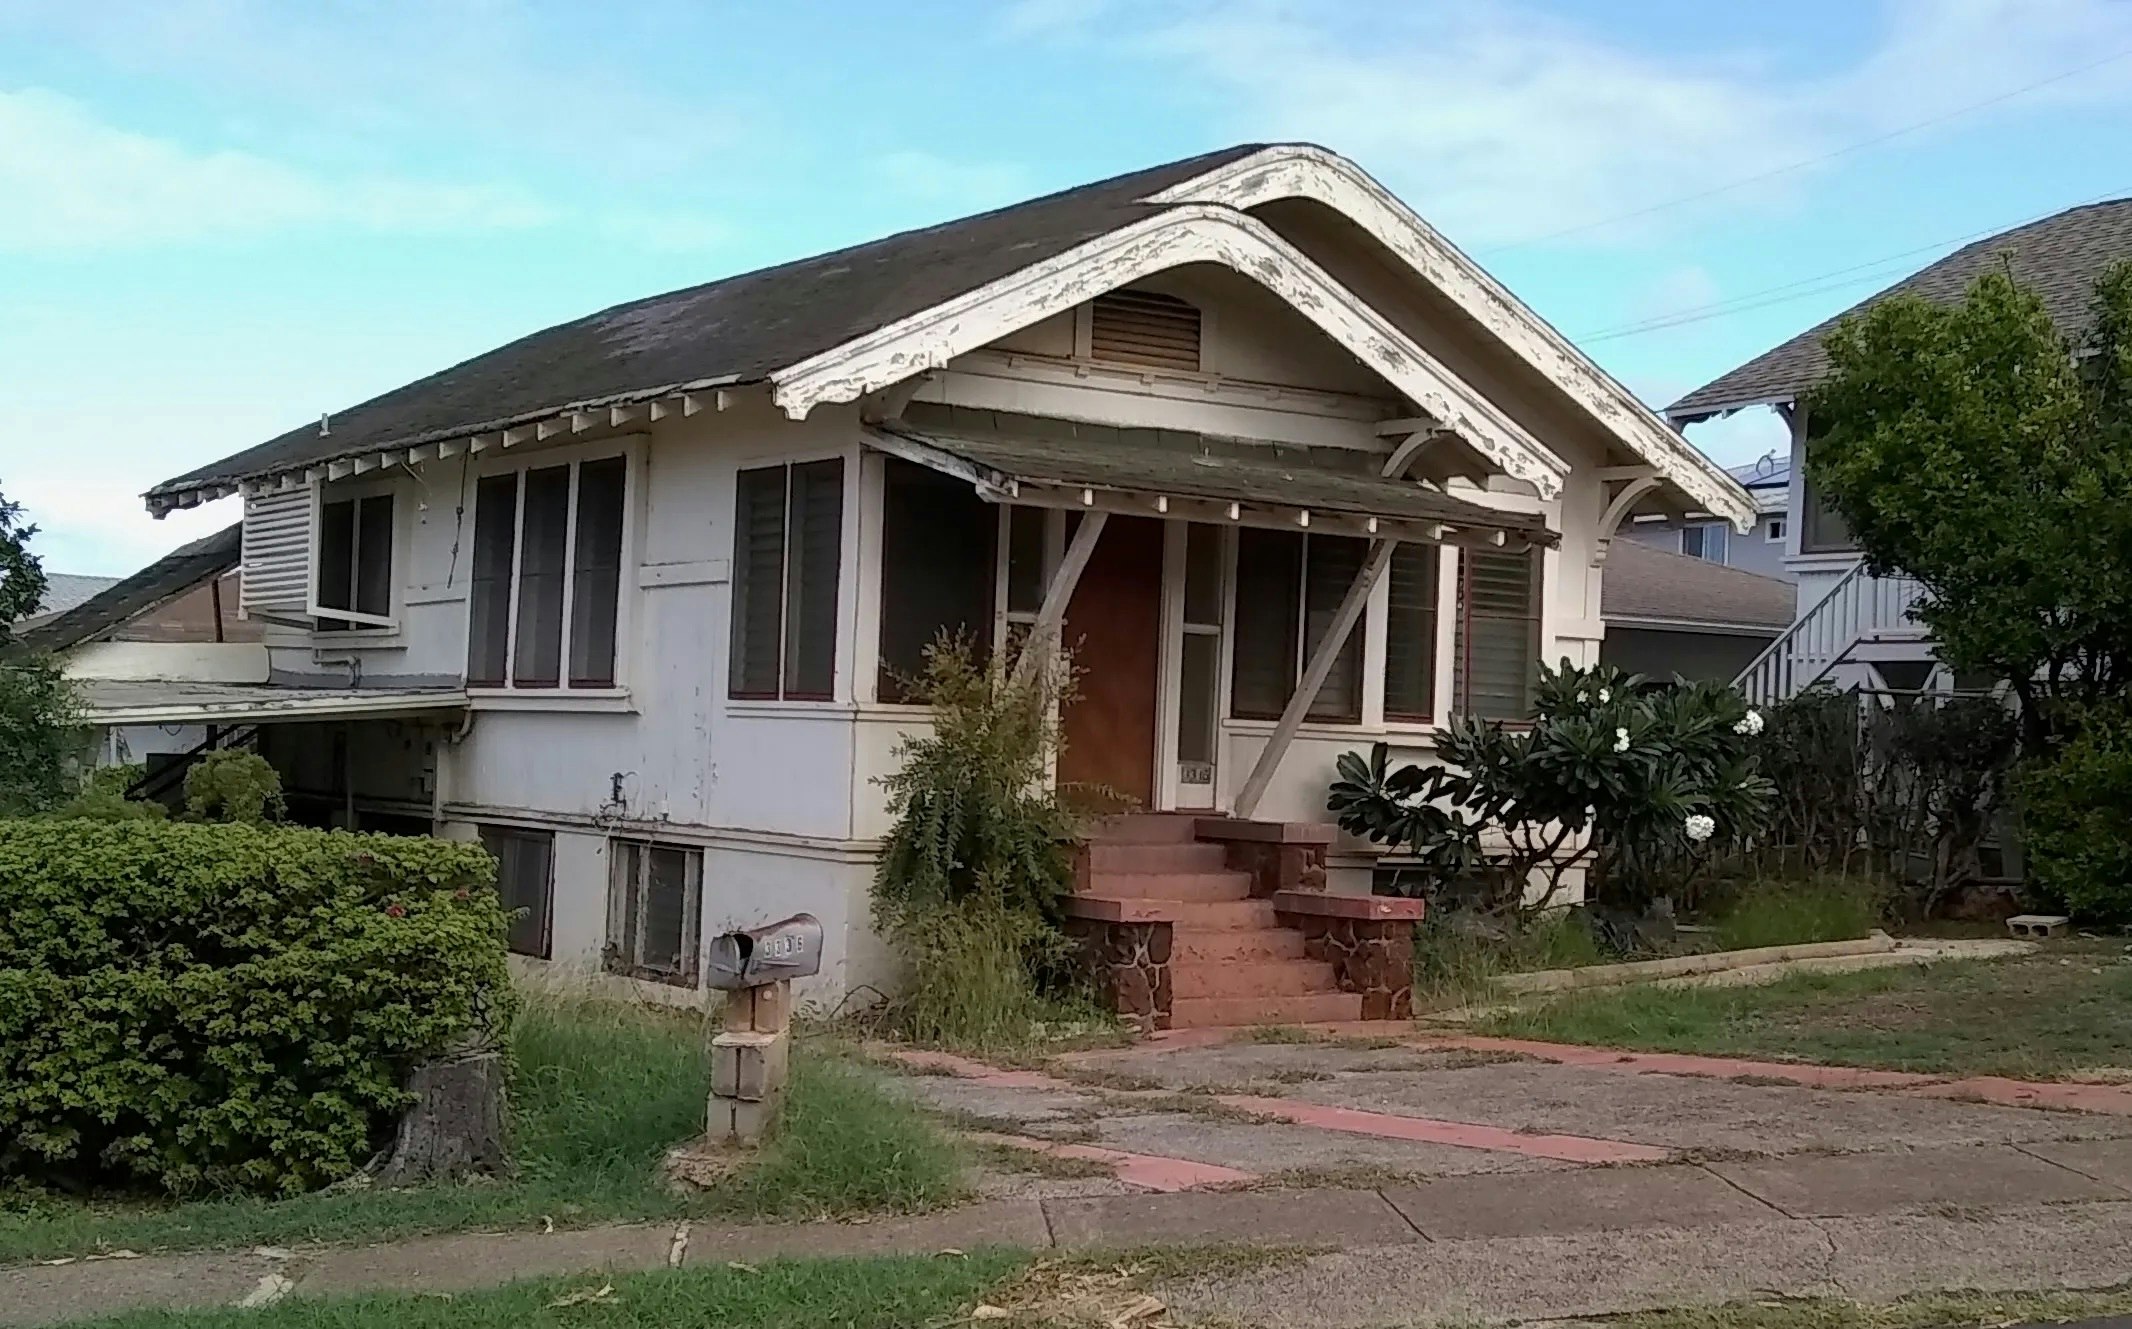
173	574
1656	587
731	331
2059	258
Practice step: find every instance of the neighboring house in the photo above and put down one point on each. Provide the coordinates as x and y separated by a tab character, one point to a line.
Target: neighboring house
629	598
1850	628
173	623
1669	613
62	591
1699	535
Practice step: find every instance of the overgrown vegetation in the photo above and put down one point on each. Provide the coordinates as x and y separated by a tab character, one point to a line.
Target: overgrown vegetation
602	1090
2078	818
1792	912
193	1008
233	785
973	872
39	729
2065	1010
1638	783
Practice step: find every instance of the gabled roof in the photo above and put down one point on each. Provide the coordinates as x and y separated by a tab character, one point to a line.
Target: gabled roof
171	575
1648	587
63	591
834	328
2059	258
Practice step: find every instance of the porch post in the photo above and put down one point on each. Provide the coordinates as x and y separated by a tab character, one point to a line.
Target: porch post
1321	662
1052	612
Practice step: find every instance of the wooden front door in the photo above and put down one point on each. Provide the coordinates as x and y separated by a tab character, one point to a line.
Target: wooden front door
1113	626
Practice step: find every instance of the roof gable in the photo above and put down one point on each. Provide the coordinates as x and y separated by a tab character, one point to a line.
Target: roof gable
2059	257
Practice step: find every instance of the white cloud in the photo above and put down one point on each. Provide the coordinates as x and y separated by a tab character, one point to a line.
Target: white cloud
1505	124
79	183
935	179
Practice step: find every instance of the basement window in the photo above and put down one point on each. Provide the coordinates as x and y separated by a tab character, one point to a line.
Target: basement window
353	587
1145	328
525	883
654	904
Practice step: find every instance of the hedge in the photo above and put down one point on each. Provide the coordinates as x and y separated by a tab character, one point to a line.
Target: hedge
202	1008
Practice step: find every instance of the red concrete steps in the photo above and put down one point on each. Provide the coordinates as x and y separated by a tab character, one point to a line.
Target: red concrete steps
1250	978
1183	887
1233	1012
1195	857
1235	945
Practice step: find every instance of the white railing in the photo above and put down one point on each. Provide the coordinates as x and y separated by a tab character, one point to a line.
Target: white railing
1858	608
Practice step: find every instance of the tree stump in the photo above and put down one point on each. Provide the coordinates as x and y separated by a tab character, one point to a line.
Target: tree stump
455	1126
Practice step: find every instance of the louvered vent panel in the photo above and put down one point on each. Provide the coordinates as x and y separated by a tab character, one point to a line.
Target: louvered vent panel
1146	328
277	553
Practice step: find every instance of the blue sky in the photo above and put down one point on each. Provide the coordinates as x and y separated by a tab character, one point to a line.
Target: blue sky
224	217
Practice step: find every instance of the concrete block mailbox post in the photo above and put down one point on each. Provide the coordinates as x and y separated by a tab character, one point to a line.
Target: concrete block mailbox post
752	1055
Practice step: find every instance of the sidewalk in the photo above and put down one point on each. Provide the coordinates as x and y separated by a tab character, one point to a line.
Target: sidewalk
1495	1245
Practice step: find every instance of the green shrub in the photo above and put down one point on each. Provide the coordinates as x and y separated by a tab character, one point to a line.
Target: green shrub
973	871
40	729
1790	913
234	1008
2076	819
231	784
102	797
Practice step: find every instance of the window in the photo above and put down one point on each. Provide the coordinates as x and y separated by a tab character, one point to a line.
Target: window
654	897
1145	328
1824	530
1199	660
938	545
525	883
1288	587
1774	532
1705	541
1498	642
1410	634
788	538
547	577
354	563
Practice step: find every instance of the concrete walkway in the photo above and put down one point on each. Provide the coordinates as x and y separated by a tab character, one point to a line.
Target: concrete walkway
1443	1178
1505	1245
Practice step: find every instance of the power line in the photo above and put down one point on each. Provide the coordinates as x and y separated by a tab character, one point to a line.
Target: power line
1771	174
1817	284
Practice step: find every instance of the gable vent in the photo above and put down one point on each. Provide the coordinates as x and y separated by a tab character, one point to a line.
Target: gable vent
277	554
1145	328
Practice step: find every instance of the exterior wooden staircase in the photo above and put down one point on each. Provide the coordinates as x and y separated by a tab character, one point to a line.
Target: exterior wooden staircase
1189	927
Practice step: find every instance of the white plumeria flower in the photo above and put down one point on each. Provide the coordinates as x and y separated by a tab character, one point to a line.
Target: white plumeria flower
1750	724
1699	827
1605	695
1621	740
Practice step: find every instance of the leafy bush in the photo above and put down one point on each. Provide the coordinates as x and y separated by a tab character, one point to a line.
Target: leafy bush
973	871
231	784
40	731
2076	817
102	797
1641	780
205	1007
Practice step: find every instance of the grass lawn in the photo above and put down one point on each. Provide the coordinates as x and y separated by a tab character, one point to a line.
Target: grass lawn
603	1090
896	1293
2064	1009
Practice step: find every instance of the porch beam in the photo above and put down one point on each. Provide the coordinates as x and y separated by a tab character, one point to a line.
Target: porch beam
1052	613
1314	674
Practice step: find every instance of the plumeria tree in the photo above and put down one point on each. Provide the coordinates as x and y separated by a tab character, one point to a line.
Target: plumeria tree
1616	775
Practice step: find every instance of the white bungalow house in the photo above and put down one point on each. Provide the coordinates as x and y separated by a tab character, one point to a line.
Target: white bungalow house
1852	629
627	598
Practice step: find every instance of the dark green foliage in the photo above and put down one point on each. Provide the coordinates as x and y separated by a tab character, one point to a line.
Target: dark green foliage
228	1008
1903	787
2077	816
102	797
1613	768
1977	449
40	735
22	579
231	784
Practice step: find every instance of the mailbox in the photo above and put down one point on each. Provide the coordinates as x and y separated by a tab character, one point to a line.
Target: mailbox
788	949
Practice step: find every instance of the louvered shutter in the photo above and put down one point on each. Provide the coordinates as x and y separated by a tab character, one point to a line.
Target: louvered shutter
1145	328
277	554
1499	633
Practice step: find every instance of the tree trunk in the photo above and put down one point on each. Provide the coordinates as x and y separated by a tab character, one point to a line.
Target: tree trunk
455	1126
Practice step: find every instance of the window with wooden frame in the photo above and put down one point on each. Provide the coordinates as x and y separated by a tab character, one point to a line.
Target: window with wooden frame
939	543
788	540
525	884
1410	633
1288	587
352	584
545	594
1145	328
654	908
1497	647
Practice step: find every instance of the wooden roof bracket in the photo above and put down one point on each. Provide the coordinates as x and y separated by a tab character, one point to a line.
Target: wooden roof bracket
1626	486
